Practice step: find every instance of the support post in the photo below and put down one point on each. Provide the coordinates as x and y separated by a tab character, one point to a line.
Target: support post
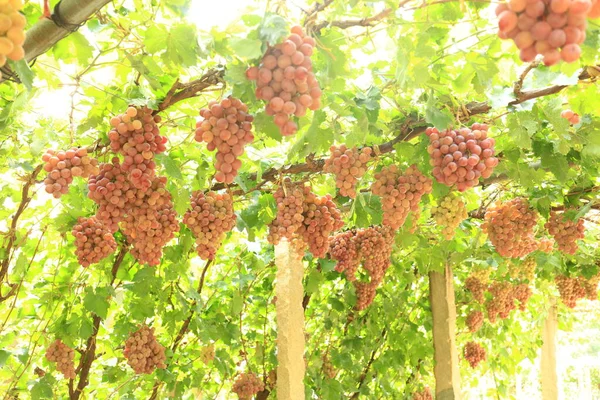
290	322
548	362
443	308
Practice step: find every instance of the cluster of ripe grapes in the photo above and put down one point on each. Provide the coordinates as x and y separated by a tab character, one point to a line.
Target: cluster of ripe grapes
62	166
477	287
143	352
460	157
150	222
12	31
523	270
286	81
502	301
93	241
552	28
226	127
565	231
328	369
572	289
372	248
474	353
449	213
348	166
509	226
247	385
571	116
207	354
209	218
303	218
136	136
63	356
424	394
546	245
474	321
400	193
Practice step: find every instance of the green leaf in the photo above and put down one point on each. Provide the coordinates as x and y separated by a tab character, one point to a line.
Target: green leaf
170	165
439	119
96	304
273	28
42	390
246	48
4	356
24	73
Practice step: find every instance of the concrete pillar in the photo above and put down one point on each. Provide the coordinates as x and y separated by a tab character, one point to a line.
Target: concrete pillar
548	364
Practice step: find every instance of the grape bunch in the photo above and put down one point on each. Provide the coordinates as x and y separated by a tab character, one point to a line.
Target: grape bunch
424	394
93	241
348	165
209	218
595	10
12	31
554	29
303	218
565	231
522	292
226	127
474	353
400	193
476	287
546	245
136	136
570	289
328	368
143	352
449	213
570	116
510	225
474	321
286	81
112	191
460	157
502	301
207	354
372	248
524	270
63	356
151	222
247	385
62	166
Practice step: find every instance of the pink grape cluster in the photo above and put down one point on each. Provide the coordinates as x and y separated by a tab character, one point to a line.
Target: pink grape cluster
62	166
570	116
93	241
474	353
372	248
63	356
425	394
226	127
474	321
286	81
552	28
348	165
209	218
136	136
460	157
565	231
143	352
247	385
400	193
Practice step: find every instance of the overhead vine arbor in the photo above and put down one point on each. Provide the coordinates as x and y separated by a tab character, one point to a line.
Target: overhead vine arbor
329	200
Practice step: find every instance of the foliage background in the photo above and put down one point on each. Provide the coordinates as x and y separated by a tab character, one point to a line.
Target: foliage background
420	64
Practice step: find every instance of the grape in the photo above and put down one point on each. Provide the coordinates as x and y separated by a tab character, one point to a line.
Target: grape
570	289
474	321
247	385
94	241
474	353
328	368
207	354
286	82
209	218
503	296
348	165
63	356
226	127
523	270
522	292
62	166
400	193
449	213
425	394
143	352
151	222
136	136
565	231
477	288
552	28
303	218
570	116
509	226
460	157
372	248
546	245
12	32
